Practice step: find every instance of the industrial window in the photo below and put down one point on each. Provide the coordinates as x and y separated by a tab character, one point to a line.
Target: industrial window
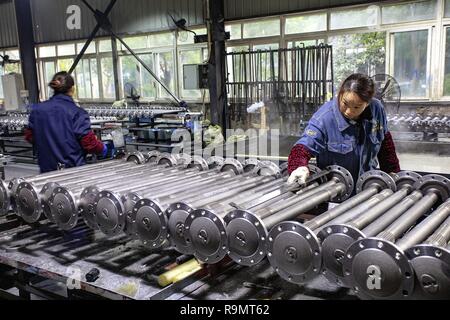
360	52
447	63
107	78
447	9
267	46
161	39
265	28
47	52
66	49
306	23
49	71
148	82
235	31
13	67
165	67
134	43
415	11
131	74
90	48
1	82
354	18
104	46
305	43
189	57
186	37
64	64
87	79
410	62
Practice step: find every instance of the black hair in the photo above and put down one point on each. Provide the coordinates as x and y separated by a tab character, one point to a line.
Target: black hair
62	82
360	84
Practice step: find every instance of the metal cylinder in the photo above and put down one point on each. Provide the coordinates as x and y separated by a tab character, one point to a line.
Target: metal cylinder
269	199
377	268
151	223
68	201
177	213
431	262
337	235
247	231
441	236
295	250
111	214
320	220
396	229
205	229
32	198
392	214
361	210
425	228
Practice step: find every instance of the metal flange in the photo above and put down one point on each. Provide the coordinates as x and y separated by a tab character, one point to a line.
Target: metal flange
335	240
206	232
13	184
215	162
152	156
150	223
167	159
434	183
28	202
345	177
87	206
177	214
136	157
197	162
129	200
250	164
406	178
247	237
284	169
378	269
233	165
183	159
4	198
432	268
267	168
109	213
294	252
313	170
64	208
375	178
45	195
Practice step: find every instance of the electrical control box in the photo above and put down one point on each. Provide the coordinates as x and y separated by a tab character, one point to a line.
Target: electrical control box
13	89
195	76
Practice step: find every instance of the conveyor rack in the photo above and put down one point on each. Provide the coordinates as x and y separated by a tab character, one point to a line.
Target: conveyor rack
43	251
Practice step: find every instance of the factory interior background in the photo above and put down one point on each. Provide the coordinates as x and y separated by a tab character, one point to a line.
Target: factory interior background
197	105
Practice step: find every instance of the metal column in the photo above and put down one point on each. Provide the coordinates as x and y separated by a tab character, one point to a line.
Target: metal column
26	44
216	70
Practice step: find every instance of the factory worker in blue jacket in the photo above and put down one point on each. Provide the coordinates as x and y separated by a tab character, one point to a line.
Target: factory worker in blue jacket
350	131
60	130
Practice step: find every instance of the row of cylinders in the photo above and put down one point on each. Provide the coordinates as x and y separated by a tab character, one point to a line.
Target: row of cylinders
141	112
413	122
389	241
244	211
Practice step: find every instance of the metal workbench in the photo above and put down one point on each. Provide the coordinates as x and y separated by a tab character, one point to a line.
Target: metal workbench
127	268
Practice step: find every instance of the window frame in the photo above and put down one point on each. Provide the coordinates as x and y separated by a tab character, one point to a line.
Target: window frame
391	54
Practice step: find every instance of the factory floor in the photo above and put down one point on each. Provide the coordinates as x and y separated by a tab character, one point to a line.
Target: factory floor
434	163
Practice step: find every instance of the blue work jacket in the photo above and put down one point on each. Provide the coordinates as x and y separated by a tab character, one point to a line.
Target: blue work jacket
335	140
58	125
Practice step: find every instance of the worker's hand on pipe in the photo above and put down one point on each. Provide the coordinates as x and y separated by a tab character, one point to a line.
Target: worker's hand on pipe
298	176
